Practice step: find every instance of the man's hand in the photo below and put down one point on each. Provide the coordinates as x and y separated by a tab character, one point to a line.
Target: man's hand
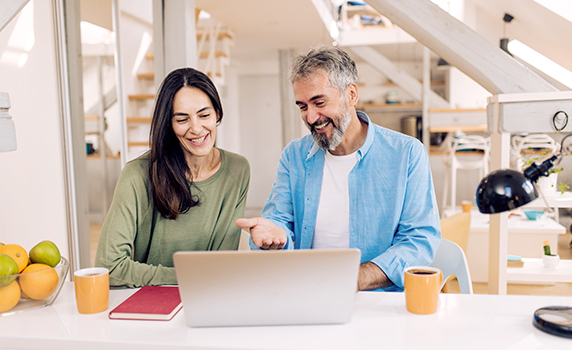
264	233
371	277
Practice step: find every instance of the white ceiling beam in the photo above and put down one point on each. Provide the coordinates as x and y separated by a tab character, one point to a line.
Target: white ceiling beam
461	46
405	81
9	9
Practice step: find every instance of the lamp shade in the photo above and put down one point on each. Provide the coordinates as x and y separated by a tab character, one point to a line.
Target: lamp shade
503	190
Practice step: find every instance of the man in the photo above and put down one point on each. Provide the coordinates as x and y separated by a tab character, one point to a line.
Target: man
351	183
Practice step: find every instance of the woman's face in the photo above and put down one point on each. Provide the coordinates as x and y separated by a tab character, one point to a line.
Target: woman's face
194	122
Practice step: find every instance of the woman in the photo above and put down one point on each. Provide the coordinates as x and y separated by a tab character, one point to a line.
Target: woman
184	194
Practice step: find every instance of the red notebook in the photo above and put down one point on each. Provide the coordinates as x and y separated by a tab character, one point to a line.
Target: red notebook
150	303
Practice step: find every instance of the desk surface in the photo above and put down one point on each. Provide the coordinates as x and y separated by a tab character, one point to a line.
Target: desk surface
516	224
380	320
534	270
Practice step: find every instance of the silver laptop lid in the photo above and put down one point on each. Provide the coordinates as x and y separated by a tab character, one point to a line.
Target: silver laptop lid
244	288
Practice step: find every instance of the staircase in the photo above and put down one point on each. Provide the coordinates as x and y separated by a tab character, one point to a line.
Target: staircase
214	42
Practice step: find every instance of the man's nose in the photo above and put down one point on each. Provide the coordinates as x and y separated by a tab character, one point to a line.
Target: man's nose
312	115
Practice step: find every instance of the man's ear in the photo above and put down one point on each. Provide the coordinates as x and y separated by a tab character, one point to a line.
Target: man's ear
352	94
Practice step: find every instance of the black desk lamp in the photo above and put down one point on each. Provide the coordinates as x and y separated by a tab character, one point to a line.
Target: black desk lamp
508	189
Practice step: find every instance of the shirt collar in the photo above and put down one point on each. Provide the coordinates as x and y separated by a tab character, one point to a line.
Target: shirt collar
363	149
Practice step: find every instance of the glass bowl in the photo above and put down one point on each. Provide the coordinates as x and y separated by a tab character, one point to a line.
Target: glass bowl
42	284
533	214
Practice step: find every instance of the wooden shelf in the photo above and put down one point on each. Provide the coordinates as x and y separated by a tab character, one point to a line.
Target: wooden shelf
464	128
146	75
109	156
390	106
141	97
145	120
137	143
217	54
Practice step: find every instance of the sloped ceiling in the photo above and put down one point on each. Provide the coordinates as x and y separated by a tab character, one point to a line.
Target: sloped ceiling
261	26
535	26
97	12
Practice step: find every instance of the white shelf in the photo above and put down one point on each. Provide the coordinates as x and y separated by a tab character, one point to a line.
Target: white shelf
534	271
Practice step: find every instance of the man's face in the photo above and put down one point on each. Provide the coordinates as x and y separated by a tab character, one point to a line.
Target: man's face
323	110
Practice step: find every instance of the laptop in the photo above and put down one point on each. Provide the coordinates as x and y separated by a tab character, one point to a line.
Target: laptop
263	288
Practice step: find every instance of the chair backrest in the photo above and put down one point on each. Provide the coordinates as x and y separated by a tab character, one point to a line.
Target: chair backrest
451	260
244	243
541	143
471	142
475	143
456	228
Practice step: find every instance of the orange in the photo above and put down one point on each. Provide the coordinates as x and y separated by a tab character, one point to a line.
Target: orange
9	296
17	253
38	284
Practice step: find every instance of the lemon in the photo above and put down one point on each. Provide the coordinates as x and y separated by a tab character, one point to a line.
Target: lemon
7	267
17	253
45	252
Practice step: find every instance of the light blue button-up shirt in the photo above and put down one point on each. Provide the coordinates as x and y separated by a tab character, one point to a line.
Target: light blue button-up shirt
394	219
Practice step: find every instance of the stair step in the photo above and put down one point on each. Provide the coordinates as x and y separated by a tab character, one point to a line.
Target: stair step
142	97
210	74
137	143
139	119
146	75
221	35
150	56
218	54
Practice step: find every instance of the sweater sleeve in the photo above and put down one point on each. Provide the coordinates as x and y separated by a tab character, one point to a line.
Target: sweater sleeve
130	214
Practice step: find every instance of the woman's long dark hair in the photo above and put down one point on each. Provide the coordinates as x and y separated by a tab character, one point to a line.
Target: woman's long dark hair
168	169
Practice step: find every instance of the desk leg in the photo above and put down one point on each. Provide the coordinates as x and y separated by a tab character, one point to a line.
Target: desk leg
498	247
498	227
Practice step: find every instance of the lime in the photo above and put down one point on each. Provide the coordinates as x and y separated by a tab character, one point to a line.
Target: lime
7	267
45	252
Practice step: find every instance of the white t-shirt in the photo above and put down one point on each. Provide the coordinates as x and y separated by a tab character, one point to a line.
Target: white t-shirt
333	219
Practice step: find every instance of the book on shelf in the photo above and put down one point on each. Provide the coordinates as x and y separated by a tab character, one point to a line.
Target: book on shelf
149	303
514	261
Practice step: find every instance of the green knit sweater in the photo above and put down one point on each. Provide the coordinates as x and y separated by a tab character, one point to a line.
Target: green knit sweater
137	243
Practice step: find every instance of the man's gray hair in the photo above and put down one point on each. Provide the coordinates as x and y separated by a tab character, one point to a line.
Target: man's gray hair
336	63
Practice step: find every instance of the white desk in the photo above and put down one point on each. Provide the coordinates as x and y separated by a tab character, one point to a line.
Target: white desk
555	200
380	321
525	239
535	271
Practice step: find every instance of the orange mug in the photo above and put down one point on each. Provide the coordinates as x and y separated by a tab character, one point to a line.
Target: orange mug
467	206
92	290
422	286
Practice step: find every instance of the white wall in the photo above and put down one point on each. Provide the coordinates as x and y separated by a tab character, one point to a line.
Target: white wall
32	190
261	135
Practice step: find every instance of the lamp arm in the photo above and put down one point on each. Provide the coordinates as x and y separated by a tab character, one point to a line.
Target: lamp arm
533	172
549	209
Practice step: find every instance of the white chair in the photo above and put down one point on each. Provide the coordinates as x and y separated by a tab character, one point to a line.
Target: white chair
479	160
538	145
451	260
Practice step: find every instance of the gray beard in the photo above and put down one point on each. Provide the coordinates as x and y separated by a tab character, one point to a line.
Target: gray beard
330	144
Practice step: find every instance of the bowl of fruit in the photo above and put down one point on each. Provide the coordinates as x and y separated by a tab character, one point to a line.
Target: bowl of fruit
30	280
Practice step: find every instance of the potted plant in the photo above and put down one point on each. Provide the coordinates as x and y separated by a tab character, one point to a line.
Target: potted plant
548	259
547	184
